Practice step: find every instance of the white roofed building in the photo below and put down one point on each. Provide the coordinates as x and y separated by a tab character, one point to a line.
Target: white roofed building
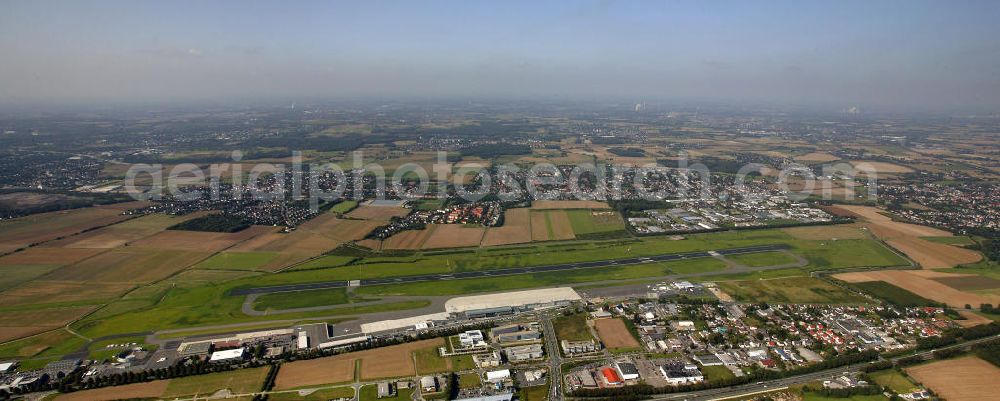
227	355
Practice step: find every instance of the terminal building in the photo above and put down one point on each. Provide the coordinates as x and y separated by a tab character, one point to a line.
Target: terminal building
481	306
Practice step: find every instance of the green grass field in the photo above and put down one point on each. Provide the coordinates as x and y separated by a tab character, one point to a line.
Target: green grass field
469	380
959	240
894	380
537	393
325	262
716	373
344	207
238	381
236	260
14	275
892	294
184	301
572	328
37	351
302	299
760	259
428	361
530	280
461	363
429	204
585	222
789	290
319	395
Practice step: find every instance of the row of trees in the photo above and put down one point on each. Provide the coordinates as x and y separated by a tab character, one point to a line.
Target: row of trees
272	375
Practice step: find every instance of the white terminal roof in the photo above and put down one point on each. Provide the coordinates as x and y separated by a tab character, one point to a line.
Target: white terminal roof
227	354
511	299
396	324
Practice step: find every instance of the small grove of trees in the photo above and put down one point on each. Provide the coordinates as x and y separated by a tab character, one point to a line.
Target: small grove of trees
219	223
989	351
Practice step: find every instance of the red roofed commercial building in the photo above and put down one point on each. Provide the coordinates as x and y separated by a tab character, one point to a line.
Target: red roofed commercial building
611	377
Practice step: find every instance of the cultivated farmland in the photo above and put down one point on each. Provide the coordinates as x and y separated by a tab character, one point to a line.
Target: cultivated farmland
615	335
923	285
385	362
455	236
968	378
516	229
24	231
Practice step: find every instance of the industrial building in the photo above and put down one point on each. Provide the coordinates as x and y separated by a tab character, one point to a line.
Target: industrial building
195	349
490	360
678	372
471	339
386	389
517	332
524	352
494	397
496	376
627	371
429	384
578	347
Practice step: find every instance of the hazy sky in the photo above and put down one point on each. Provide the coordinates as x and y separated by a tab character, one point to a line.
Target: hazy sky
943	55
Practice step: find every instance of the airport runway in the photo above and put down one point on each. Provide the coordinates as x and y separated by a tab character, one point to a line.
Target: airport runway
507	272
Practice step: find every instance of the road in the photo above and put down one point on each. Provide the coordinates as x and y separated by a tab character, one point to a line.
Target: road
507	272
555	357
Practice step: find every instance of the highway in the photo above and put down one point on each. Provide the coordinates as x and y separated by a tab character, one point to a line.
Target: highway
506	272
